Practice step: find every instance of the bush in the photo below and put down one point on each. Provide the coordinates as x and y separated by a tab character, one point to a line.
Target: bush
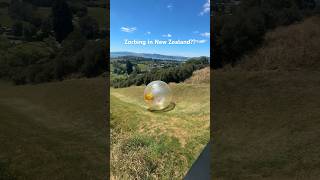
46	3
37	62
29	31
89	27
79	9
4	4
20	10
73	43
22	63
46	28
94	59
17	28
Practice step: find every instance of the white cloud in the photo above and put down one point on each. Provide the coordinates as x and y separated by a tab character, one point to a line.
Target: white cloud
206	34
200	41
148	32
206	8
128	29
167	35
170	6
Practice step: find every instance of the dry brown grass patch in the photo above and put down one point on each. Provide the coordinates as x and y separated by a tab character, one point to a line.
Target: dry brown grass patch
293	47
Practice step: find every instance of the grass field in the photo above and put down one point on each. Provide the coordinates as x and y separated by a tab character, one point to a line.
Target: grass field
54	130
293	47
153	145
266	125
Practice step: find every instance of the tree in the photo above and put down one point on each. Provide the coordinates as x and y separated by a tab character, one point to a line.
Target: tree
13	7
129	67
79	9
46	27
94	58
73	43
20	10
89	27
46	3
29	31
62	19
17	28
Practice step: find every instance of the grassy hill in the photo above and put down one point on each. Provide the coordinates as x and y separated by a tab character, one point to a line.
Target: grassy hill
154	145
199	76
266	109
294	47
266	125
53	130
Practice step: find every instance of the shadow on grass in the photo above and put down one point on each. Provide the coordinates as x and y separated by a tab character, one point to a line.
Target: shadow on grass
171	106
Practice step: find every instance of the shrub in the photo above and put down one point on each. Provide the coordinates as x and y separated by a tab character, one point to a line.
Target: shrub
89	27
94	59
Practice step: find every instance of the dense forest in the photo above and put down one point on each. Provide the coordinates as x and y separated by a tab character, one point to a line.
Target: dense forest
67	42
241	25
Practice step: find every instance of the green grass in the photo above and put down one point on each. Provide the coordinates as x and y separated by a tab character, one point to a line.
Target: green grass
266	125
54	130
149	145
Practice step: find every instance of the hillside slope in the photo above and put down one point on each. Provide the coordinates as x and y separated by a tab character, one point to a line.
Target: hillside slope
53	130
266	125
294	47
267	109
158	145
199	76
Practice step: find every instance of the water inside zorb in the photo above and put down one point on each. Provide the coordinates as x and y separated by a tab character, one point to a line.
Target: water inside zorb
157	95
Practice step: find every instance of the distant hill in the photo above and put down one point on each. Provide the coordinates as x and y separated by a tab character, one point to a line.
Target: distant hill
67	130
146	55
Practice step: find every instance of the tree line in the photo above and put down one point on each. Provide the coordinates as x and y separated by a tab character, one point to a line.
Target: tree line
46	61
30	25
172	74
239	28
68	50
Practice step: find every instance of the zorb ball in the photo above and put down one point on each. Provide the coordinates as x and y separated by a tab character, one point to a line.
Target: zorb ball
157	95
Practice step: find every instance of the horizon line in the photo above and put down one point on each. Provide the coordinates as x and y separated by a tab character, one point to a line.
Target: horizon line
157	53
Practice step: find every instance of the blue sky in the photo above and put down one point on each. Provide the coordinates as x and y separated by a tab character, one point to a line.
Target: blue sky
144	20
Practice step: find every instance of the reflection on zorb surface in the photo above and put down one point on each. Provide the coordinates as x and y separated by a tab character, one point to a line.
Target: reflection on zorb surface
157	95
